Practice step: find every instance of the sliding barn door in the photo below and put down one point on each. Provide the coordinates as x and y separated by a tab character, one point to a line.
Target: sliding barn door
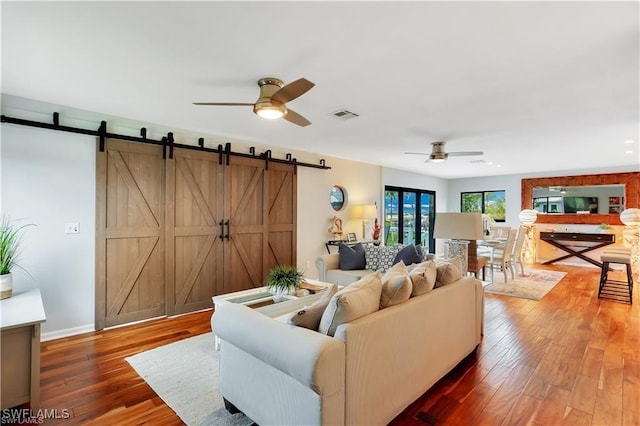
130	284
245	224
194	216
281	214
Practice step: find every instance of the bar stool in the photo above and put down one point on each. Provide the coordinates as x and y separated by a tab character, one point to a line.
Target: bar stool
620	291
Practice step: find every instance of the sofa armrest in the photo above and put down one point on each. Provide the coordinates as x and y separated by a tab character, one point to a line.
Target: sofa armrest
326	262
313	359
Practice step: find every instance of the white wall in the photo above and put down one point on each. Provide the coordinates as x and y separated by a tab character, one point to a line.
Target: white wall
395	177
362	182
48	178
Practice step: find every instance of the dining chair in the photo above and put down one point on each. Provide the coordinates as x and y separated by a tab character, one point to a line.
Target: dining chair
499	231
518	251
503	257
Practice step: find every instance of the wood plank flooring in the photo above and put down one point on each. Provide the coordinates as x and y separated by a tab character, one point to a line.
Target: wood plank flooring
569	358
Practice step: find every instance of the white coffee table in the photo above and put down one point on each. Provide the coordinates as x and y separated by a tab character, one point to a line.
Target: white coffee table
264	302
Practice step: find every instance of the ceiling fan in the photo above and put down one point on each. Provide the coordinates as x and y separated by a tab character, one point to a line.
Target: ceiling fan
438	155
274	95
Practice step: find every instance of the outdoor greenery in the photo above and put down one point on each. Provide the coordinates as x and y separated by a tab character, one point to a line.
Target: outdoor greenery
9	245
283	278
491	203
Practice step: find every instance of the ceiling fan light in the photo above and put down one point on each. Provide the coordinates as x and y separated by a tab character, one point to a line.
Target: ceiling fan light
271	112
436	159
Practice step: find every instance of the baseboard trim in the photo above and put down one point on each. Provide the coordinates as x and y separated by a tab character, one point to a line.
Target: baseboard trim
52	335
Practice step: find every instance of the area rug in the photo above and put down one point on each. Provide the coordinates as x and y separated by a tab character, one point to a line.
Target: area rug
185	375
533	285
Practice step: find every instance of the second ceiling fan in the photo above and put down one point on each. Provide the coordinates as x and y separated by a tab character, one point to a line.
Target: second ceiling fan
438	154
274	95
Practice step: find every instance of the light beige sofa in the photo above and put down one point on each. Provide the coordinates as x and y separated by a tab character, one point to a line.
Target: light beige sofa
329	271
373	368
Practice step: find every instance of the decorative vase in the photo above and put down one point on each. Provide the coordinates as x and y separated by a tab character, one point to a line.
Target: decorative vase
6	285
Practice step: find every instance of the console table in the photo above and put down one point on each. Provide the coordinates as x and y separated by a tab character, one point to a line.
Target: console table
561	240
21	316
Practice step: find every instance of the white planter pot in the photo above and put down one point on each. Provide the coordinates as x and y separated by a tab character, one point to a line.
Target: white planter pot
6	286
279	293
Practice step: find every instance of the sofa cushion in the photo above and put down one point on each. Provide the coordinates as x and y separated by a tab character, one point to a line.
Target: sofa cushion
380	258
409	255
351	258
423	277
309	316
448	272
396	286
354	301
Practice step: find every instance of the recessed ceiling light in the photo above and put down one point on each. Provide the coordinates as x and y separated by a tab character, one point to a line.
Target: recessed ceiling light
498	165
489	163
628	152
628	141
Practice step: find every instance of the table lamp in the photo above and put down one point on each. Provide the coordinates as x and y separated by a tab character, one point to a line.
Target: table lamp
365	212
461	230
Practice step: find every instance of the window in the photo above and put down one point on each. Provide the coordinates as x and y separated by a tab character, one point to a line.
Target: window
487	202
408	216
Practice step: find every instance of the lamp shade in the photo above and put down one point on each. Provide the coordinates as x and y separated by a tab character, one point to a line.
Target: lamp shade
630	217
528	216
458	226
364	211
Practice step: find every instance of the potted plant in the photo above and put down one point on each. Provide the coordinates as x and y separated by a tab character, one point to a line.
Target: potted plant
9	251
283	279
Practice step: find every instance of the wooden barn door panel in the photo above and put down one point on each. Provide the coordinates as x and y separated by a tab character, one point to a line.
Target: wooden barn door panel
282	201
130	282
194	212
245	209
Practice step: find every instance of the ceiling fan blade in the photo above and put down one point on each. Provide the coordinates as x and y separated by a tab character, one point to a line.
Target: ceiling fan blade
292	90
223	103
417	153
296	118
463	153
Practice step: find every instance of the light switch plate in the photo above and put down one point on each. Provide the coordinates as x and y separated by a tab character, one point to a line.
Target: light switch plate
72	228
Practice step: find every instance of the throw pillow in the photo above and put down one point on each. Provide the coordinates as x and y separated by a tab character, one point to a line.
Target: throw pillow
423	277
354	301
372	260
386	254
351	258
448	272
396	286
309	316
409	255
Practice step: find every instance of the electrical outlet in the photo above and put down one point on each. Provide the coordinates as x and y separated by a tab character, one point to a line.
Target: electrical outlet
71	228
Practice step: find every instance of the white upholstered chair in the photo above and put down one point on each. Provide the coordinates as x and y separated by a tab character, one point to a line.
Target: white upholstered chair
517	250
503	257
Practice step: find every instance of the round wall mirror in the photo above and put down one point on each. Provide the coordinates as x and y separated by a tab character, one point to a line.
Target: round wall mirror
338	198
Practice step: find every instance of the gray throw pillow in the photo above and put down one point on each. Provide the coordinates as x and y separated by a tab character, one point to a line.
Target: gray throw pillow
309	317
409	255
351	258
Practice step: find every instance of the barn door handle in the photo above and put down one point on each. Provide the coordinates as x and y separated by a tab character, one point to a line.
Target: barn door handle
221	223
228	236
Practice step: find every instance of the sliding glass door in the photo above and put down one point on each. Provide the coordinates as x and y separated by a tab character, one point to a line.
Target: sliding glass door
408	216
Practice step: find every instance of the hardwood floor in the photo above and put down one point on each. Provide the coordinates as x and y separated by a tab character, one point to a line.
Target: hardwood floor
569	358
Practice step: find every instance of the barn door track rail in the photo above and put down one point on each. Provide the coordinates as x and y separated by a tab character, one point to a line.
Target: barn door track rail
167	142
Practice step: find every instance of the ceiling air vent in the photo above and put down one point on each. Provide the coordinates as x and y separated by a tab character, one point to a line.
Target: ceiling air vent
345	114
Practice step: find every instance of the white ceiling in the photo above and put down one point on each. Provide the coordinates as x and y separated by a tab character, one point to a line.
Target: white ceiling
537	86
